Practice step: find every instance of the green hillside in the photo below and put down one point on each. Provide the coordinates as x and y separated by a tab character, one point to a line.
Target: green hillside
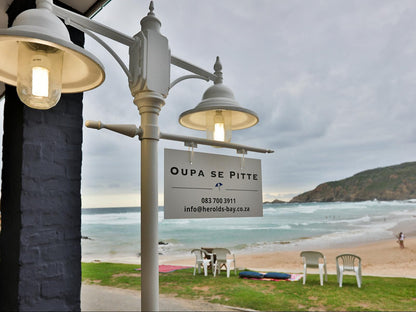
388	183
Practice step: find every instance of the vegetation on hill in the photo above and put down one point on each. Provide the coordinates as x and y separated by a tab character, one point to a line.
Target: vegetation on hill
388	183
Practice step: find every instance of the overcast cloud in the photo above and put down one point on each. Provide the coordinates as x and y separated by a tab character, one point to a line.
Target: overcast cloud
333	83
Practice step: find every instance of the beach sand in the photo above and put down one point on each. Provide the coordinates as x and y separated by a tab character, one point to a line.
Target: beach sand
380	258
383	258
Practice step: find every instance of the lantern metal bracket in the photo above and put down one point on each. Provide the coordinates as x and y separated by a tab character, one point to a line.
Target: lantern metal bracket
132	131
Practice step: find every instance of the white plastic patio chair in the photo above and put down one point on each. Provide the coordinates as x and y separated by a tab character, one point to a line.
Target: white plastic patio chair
201	259
314	260
220	255
348	262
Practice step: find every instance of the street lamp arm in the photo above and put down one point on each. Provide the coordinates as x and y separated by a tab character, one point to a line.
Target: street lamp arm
107	47
77	20
182	78
129	130
132	131
192	68
91	27
192	141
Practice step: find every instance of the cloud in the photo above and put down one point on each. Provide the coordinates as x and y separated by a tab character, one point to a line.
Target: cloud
333	83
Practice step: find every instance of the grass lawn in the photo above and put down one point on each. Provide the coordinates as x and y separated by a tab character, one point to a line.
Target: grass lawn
376	294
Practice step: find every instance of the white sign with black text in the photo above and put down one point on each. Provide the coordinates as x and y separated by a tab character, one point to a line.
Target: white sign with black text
202	185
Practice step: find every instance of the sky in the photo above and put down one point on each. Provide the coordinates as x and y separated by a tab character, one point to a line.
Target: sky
333	83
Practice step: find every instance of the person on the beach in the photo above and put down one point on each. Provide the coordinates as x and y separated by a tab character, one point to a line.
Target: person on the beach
400	239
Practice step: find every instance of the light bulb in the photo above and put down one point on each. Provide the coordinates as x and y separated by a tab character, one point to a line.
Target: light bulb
39	78
218	125
219	128
40	81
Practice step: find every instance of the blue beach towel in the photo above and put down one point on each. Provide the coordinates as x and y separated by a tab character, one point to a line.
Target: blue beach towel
251	274
276	275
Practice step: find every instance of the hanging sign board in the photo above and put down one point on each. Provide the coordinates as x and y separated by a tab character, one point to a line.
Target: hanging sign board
201	185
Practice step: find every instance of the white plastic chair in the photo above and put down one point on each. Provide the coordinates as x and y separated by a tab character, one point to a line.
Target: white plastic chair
220	255
348	262
201	259
315	260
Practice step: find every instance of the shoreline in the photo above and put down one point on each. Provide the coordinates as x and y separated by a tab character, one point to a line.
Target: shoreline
379	257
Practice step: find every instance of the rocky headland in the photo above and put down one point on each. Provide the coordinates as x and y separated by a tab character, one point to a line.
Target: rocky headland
388	183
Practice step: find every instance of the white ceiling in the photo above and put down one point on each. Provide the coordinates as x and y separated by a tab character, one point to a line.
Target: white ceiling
81	5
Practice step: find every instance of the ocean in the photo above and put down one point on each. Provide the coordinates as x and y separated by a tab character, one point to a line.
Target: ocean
114	233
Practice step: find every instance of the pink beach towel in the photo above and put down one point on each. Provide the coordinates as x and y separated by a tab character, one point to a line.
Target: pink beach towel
169	268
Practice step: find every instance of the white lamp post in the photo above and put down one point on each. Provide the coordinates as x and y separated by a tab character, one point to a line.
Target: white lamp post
37	57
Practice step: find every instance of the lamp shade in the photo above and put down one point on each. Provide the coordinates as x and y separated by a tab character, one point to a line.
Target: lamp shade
81	71
218	103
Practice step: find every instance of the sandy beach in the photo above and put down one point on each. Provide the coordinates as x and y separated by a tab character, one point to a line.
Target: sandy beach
380	258
383	258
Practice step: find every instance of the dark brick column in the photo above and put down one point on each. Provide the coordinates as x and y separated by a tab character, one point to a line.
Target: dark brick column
40	248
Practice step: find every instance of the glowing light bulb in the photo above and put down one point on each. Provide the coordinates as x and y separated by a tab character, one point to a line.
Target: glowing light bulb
40	81
219	127
39	77
219	132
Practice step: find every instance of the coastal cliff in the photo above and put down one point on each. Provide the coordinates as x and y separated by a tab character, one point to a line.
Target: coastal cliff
387	183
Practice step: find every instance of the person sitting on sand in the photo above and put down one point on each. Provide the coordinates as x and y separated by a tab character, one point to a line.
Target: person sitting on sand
400	239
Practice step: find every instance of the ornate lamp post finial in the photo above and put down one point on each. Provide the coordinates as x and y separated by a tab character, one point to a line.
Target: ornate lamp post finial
151	9
218	71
